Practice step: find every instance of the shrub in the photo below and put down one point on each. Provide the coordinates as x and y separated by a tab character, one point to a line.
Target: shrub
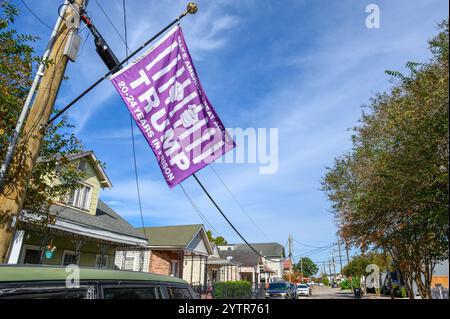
232	290
345	284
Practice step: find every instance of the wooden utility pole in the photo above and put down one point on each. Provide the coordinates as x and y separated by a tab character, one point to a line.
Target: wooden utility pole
290	258
27	152
340	256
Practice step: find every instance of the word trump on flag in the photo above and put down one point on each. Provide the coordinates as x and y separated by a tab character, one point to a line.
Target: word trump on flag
164	95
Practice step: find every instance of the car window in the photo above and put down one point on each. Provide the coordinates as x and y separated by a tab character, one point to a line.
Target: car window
179	293
43	293
278	285
129	292
302	286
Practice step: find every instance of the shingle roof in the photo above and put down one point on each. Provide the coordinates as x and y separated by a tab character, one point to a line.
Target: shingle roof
266	249
245	257
177	236
106	219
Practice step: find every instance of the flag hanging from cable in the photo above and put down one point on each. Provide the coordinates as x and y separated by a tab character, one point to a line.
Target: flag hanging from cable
164	95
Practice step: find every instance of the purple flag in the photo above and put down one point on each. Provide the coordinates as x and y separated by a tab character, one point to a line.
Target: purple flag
164	95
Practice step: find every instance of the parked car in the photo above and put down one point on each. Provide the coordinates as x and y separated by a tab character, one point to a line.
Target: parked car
278	290
293	291
303	290
334	285
48	282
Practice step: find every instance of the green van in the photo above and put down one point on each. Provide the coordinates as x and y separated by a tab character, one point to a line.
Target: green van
48	282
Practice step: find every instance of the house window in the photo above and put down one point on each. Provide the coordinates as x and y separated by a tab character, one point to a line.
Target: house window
70	258
81	197
174	268
129	264
82	165
32	256
101	261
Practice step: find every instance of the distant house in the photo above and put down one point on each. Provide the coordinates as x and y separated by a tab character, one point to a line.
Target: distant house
440	275
81	229
179	251
254	268
222	269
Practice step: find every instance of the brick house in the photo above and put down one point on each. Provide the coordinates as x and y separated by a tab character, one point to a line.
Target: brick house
180	251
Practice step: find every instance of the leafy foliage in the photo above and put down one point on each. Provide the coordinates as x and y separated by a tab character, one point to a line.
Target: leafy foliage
17	65
232	289
218	240
391	192
306	264
357	266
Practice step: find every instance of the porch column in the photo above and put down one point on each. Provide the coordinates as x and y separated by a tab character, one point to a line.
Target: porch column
16	247
206	273
254	279
200	270
192	268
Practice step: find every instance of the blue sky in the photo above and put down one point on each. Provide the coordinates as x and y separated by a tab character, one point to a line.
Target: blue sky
304	67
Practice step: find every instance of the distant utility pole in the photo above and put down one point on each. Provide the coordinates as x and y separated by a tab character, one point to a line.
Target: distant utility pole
329	266
334	265
24	159
340	256
290	258
301	268
324	268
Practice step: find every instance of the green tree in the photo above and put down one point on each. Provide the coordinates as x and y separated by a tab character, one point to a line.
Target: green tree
17	65
217	240
325	280
358	264
391	191
306	264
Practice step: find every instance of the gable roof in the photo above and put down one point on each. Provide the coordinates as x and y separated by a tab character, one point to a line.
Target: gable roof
266	249
105	219
244	257
177	236
101	174
103	178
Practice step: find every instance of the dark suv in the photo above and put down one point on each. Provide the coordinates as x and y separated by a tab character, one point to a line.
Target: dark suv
47	282
279	290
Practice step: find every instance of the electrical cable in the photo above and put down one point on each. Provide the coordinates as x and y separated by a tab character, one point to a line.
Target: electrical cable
36	16
230	223
132	130
238	203
300	243
198	211
125	41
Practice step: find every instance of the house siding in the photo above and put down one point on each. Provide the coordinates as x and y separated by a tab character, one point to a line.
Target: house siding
194	269
141	259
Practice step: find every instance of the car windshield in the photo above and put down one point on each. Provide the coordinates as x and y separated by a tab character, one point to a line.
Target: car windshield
277	285
302	286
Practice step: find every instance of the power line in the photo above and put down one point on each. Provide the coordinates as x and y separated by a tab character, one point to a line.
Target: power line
229	222
198	211
35	15
315	251
238	203
132	130
125	41
300	243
